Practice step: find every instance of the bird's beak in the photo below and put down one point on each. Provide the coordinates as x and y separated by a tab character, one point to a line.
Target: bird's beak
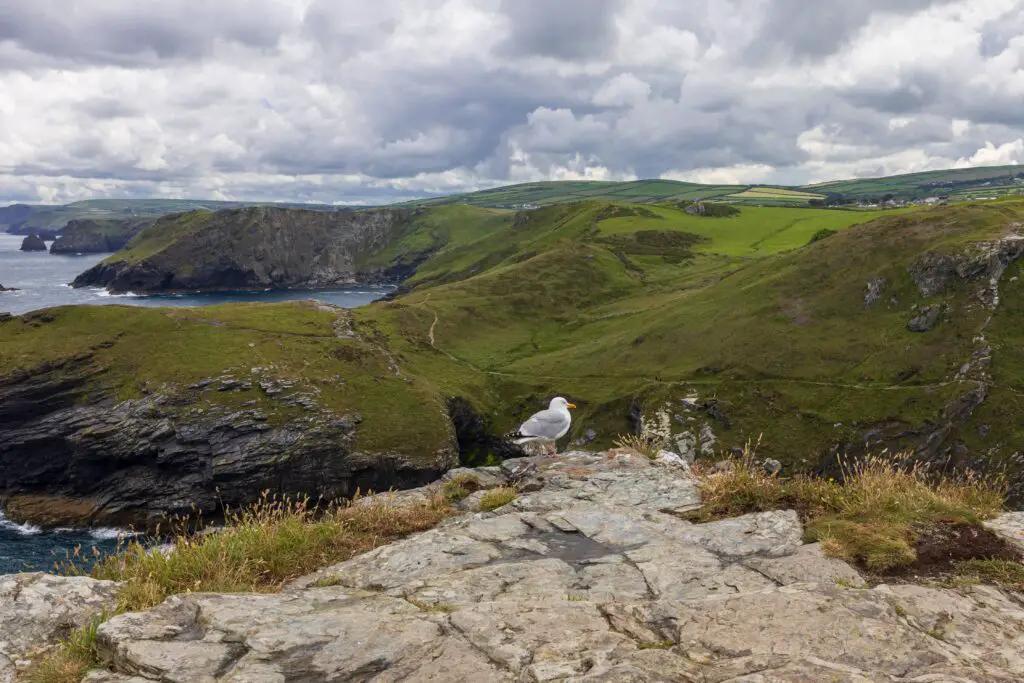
572	405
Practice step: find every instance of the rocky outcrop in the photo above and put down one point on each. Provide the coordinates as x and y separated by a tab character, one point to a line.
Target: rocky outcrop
590	575
33	243
38	610
1010	526
874	290
119	462
926	319
255	248
8	289
984	262
88	236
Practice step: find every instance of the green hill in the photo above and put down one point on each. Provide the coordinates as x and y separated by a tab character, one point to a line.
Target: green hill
957	184
53	218
822	331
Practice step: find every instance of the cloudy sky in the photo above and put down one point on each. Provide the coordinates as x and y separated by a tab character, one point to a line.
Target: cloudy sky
374	101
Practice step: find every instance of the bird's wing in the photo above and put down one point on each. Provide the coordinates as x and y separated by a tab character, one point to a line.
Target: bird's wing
546	424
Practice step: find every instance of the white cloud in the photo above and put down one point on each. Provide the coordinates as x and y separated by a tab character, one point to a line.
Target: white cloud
741	174
1006	154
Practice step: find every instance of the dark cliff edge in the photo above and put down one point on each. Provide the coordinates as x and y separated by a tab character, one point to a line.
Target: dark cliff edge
87	438
256	248
87	236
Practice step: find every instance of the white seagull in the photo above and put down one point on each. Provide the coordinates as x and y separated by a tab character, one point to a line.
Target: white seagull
547	426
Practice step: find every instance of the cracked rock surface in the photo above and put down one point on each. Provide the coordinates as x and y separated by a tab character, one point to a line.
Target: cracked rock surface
590	575
38	610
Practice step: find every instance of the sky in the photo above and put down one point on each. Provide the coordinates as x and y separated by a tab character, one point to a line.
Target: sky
355	102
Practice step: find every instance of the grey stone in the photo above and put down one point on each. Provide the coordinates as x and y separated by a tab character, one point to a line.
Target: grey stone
808	564
925	320
874	290
1010	526
593	576
772	466
38	610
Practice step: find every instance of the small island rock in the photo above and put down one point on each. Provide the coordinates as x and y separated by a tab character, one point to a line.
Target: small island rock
33	243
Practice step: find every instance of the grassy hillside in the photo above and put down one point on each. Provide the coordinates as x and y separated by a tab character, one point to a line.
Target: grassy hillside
745	314
47	217
138	351
958	184
963	183
755	324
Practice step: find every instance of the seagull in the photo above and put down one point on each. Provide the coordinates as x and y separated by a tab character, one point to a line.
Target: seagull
547	426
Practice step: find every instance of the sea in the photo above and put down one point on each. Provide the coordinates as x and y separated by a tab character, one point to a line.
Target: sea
43	282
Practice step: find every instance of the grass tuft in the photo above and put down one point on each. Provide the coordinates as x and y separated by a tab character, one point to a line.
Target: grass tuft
871	518
460	487
647	445
1006	574
259	549
496	498
73	658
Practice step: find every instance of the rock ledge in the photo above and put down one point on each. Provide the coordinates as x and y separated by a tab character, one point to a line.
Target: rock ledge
590	575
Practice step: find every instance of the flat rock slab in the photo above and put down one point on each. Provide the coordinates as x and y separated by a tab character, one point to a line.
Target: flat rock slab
592	575
38	610
1010	526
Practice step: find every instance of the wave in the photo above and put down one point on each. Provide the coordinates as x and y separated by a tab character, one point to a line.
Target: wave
20	529
104	293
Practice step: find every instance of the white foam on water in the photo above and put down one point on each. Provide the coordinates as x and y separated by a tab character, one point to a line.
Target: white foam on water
110	534
99	291
20	529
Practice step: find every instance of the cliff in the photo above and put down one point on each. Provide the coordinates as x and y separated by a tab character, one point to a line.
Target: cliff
33	243
87	236
590	574
125	415
252	248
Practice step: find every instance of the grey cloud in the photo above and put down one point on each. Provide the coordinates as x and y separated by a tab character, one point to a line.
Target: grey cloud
567	29
802	29
125	32
255	102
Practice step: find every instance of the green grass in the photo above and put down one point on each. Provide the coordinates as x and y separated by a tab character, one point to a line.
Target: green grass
497	498
72	658
138	349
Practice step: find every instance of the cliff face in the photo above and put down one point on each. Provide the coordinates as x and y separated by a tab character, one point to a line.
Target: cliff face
97	236
123	431
253	248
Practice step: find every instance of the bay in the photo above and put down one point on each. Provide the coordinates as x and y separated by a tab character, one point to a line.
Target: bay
43	282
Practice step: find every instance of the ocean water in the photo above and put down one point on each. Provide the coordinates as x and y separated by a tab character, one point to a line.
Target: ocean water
42	279
26	548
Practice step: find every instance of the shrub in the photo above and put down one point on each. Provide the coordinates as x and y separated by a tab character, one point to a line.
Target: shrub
821	234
